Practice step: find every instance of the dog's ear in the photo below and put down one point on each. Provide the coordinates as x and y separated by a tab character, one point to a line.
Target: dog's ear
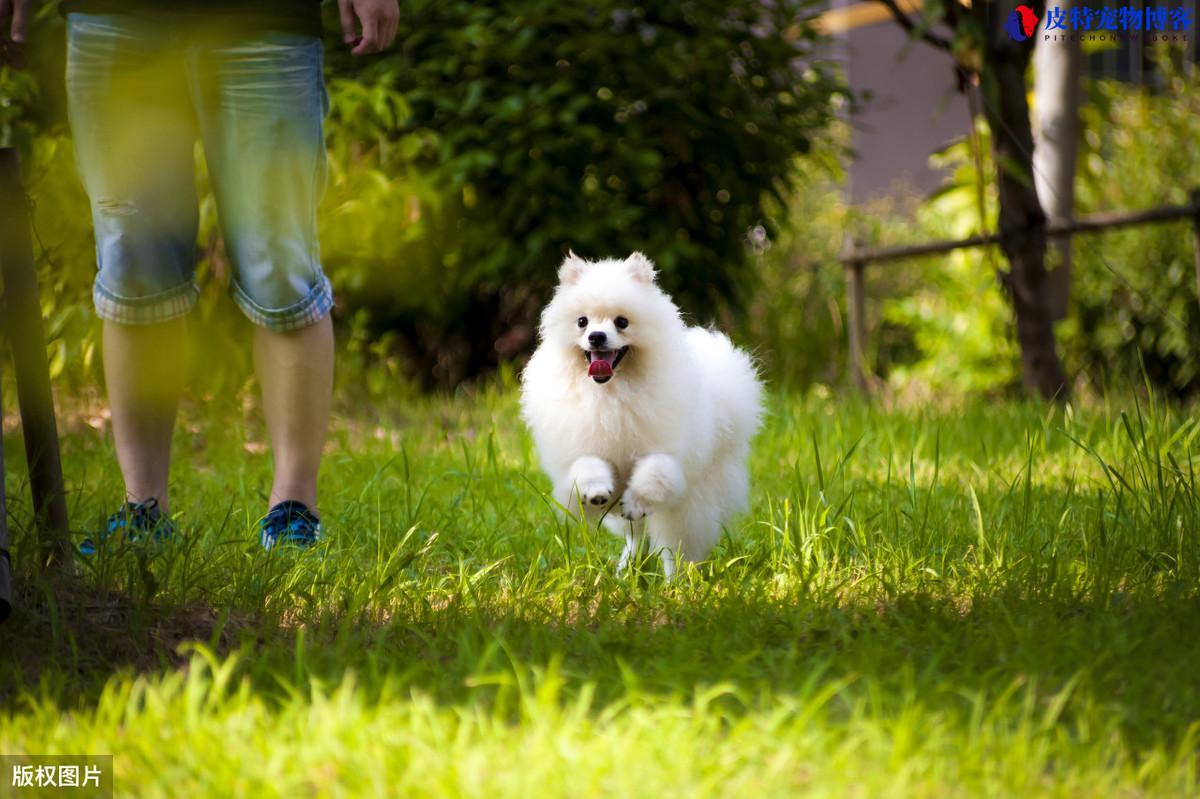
640	267
572	269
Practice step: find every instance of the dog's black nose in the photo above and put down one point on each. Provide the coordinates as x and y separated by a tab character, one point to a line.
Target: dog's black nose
597	338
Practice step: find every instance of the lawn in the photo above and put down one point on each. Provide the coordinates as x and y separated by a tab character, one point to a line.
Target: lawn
992	599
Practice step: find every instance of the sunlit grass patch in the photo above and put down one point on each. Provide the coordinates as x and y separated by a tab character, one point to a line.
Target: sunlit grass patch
994	600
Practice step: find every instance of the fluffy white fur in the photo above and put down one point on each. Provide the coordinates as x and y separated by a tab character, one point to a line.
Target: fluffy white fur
660	449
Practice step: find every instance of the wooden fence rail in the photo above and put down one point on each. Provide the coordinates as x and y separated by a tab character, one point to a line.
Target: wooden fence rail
855	261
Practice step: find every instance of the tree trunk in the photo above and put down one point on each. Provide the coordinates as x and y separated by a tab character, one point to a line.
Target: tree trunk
1022	224
1056	100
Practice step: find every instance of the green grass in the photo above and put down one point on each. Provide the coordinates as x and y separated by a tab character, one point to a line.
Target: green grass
996	600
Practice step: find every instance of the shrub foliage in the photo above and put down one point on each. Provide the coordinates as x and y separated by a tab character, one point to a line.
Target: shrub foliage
603	127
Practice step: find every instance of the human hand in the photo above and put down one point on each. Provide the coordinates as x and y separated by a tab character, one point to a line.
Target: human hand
378	20
14	15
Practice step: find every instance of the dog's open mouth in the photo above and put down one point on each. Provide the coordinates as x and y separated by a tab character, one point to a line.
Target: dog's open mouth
602	363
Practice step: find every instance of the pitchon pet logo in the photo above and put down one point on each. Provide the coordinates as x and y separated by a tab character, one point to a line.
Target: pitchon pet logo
1021	23
1104	22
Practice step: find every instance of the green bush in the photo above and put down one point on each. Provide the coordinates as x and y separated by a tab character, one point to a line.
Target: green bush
384	226
18	91
935	325
795	319
604	127
1134	291
958	322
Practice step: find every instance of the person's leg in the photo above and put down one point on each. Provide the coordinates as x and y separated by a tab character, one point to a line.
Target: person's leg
134	135
262	105
145	369
296	373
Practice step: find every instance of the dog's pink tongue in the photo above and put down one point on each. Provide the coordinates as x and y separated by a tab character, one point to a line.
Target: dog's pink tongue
599	368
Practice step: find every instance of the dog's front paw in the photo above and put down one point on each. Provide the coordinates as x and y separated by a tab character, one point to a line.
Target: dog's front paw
597	493
634	506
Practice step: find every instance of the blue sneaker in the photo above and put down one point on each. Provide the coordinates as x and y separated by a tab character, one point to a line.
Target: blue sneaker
134	523
289	523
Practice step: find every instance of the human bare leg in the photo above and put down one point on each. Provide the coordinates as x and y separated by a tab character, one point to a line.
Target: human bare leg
145	369
295	370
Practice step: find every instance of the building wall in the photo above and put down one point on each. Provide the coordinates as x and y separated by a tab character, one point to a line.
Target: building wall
910	107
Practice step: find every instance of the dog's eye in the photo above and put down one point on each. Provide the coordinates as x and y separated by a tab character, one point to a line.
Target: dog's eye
621	322
582	322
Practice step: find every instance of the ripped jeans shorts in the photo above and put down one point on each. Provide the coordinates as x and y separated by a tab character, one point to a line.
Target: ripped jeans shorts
141	93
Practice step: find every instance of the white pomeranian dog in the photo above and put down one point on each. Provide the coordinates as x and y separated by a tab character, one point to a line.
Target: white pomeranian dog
638	418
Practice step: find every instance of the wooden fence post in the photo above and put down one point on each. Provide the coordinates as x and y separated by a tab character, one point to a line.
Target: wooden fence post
23	322
857	323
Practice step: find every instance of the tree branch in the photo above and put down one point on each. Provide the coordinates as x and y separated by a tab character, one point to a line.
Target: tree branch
903	20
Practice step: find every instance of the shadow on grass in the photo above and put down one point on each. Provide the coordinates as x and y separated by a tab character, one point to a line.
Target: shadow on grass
1042	598
1133	656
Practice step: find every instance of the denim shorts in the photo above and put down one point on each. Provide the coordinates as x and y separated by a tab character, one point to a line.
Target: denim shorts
141	93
